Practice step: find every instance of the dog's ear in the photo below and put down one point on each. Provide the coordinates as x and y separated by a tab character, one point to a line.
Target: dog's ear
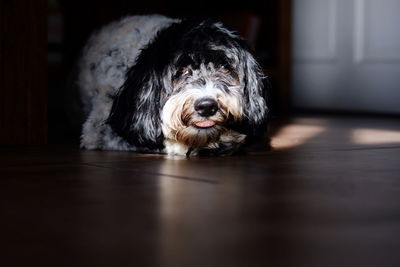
135	114
255	108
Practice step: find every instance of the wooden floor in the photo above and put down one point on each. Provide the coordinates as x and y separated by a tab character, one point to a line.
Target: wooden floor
327	194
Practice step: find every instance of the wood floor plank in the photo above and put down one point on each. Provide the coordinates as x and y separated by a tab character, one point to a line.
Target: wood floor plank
326	197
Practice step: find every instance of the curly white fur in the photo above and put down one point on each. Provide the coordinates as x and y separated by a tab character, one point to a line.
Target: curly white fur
107	56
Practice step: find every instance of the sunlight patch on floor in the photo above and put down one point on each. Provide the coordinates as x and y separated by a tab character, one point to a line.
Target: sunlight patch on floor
375	137
295	135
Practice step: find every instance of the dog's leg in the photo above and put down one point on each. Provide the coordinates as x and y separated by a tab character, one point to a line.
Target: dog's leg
229	143
175	148
232	137
94	128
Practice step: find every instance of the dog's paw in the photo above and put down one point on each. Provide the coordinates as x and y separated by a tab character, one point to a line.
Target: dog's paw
229	143
173	148
223	149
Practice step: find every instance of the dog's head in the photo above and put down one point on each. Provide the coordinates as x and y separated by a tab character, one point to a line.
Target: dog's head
192	83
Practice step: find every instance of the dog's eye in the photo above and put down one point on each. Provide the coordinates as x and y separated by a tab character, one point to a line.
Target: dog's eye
181	73
225	70
185	71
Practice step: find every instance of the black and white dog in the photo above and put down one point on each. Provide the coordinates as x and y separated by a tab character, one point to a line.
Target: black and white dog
162	85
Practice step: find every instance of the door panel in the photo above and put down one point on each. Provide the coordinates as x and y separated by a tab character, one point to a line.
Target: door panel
347	55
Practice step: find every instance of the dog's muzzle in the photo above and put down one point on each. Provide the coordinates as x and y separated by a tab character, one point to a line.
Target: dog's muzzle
205	107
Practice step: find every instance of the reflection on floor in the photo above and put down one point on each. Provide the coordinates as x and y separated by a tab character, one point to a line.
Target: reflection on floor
326	194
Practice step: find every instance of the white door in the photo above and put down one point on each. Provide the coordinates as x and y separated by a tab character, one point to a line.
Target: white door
346	55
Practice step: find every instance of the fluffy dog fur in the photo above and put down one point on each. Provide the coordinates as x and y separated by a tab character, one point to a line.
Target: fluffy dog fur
141	77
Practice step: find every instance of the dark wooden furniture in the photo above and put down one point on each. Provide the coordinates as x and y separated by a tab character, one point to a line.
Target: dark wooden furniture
23	72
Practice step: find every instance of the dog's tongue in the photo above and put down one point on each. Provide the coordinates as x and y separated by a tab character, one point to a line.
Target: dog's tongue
204	124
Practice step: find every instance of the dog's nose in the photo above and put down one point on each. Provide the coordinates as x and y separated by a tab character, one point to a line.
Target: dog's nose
206	107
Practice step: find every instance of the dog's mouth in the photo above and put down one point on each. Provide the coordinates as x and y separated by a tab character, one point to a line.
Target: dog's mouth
204	124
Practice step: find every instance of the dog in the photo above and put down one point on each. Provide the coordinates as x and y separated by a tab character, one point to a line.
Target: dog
155	84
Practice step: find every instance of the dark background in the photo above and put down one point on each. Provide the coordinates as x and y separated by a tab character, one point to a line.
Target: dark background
41	43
